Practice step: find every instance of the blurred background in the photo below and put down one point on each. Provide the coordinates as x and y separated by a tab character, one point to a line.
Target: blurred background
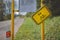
28	29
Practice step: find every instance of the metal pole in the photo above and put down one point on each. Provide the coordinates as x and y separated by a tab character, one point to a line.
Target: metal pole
42	24
12	21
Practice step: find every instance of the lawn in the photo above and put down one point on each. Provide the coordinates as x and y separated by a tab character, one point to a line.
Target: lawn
31	31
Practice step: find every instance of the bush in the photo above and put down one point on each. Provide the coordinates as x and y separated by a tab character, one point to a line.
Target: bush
53	33
29	14
53	29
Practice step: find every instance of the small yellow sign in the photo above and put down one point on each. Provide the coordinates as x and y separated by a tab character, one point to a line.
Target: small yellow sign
41	15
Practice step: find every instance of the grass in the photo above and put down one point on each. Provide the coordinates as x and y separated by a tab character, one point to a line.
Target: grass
31	31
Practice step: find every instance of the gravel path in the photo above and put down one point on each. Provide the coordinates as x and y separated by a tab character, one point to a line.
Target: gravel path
5	26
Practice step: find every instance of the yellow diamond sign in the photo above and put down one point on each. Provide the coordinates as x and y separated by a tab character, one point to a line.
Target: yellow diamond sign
41	15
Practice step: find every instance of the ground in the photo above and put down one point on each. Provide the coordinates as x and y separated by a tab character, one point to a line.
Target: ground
6	25
31	31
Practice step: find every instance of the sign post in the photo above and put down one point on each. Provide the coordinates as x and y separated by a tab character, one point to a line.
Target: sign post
12	20
40	16
42	24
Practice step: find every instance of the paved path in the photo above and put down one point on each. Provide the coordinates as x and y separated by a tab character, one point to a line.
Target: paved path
5	26
18	23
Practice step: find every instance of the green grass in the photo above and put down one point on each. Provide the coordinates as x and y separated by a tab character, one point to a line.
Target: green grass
31	31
